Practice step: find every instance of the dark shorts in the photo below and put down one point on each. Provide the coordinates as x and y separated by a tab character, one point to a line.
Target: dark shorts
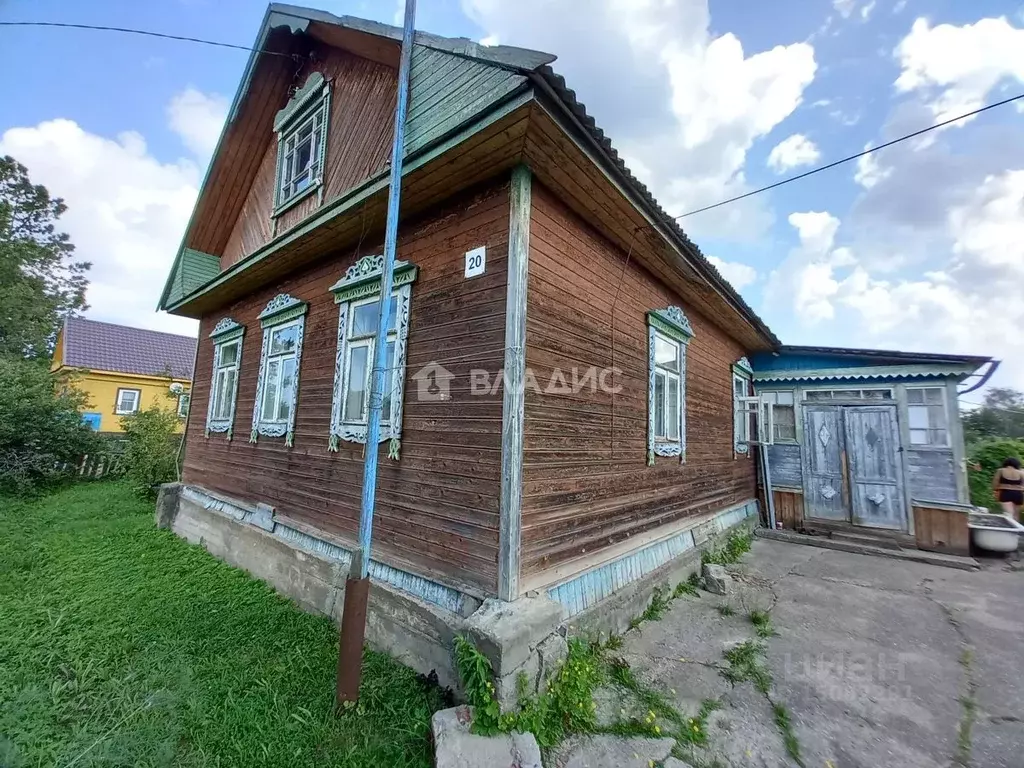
1014	497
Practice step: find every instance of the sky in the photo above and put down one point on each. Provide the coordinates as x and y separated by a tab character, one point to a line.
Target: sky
916	247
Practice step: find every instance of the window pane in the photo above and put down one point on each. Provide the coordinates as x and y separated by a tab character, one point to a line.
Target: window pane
364	320
820	394
672	409
933	396
284	340
228	354
784	398
659	404
222	394
919	436
915	396
355	391
937	417
284	405
785	422
270	391
666	353
739	387
918	416
390	379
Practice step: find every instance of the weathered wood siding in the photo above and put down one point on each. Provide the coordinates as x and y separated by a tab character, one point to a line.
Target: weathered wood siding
586	482
789	509
785	465
942	529
359	135
932	474
437	511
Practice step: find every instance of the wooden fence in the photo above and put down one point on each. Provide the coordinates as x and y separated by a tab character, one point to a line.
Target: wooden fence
106	463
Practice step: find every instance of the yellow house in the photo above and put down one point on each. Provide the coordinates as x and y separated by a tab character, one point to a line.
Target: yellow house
124	369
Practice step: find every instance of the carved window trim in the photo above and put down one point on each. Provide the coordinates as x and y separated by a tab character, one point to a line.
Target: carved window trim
283	311
311	105
361	283
742	375
672	325
226	332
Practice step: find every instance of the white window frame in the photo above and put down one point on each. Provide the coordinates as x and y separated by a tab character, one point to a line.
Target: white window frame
226	333
360	285
118	411
670	325
846	390
184	400
928	408
770	400
744	407
281	313
309	107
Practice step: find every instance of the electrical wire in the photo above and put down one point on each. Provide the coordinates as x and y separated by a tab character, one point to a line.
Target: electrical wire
147	33
853	157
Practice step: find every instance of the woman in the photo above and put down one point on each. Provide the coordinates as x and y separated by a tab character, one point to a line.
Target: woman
1008	484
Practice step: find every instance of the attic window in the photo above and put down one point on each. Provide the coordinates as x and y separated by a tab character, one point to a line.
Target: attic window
301	129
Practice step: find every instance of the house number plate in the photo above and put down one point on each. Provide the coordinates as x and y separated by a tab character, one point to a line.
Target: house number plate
476	261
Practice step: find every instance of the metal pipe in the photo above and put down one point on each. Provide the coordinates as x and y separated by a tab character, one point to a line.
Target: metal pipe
353	623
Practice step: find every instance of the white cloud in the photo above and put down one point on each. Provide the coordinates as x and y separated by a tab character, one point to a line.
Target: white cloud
490	40
899	6
793	152
956	67
816	229
126	209
844	7
865	12
198	118
869	170
683	105
738	274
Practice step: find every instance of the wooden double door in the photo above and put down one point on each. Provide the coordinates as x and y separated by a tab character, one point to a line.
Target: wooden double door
853	466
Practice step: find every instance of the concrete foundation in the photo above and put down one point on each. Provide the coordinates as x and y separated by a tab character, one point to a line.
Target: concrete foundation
415	619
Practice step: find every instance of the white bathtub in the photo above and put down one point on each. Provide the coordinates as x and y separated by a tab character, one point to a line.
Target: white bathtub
994	532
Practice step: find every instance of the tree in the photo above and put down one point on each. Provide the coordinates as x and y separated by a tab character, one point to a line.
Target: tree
1001	415
40	283
151	454
41	429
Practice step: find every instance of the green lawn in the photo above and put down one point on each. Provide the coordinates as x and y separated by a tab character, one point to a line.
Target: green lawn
122	645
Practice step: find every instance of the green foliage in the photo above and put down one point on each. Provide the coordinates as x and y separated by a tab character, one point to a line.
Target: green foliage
126	646
613	643
735	547
657	607
785	726
1001	416
746	663
565	707
762	622
726	610
985	458
686	588
151	448
40	285
41	430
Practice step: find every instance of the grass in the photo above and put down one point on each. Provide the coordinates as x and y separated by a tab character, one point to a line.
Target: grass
125	646
746	662
762	622
785	725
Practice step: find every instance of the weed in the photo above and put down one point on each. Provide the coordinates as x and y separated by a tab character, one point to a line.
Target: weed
635	622
968	714
657	607
762	622
785	726
746	662
613	643
695	730
726	610
685	588
477	677
736	545
693	579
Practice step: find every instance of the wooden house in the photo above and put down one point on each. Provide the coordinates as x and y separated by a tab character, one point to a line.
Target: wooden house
123	370
864	440
566	367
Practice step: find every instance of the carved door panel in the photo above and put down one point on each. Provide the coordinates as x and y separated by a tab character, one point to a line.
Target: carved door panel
875	470
823	463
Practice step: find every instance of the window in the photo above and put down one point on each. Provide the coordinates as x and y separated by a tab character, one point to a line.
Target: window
92	420
127	401
848	394
784	415
669	332
183	403
359	303
744	406
302	142
227	357
283	322
926	416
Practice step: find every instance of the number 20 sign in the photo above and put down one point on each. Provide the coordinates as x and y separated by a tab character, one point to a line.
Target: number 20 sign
476	260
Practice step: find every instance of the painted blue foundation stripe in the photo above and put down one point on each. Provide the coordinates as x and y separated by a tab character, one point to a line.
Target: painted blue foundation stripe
589	588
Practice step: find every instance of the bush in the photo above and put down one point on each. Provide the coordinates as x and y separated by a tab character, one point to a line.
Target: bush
985	458
42	436
151	448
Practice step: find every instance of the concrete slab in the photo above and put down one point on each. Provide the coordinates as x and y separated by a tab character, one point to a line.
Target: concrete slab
868	661
456	747
611	752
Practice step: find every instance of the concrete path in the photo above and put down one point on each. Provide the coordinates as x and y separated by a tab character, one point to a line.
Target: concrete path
874	663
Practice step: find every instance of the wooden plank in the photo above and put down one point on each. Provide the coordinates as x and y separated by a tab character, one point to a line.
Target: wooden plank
941	529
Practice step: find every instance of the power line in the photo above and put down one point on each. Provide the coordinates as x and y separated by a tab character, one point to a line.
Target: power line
147	33
854	157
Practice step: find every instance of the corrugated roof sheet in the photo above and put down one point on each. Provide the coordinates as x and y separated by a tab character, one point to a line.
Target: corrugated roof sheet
121	348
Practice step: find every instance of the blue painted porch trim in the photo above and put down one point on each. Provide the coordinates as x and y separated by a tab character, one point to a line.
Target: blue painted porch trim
425	589
588	589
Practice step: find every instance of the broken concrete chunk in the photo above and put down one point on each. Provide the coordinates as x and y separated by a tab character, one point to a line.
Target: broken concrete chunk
716	579
507	633
456	747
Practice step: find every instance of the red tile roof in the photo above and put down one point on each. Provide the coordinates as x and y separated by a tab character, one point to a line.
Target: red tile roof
108	347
